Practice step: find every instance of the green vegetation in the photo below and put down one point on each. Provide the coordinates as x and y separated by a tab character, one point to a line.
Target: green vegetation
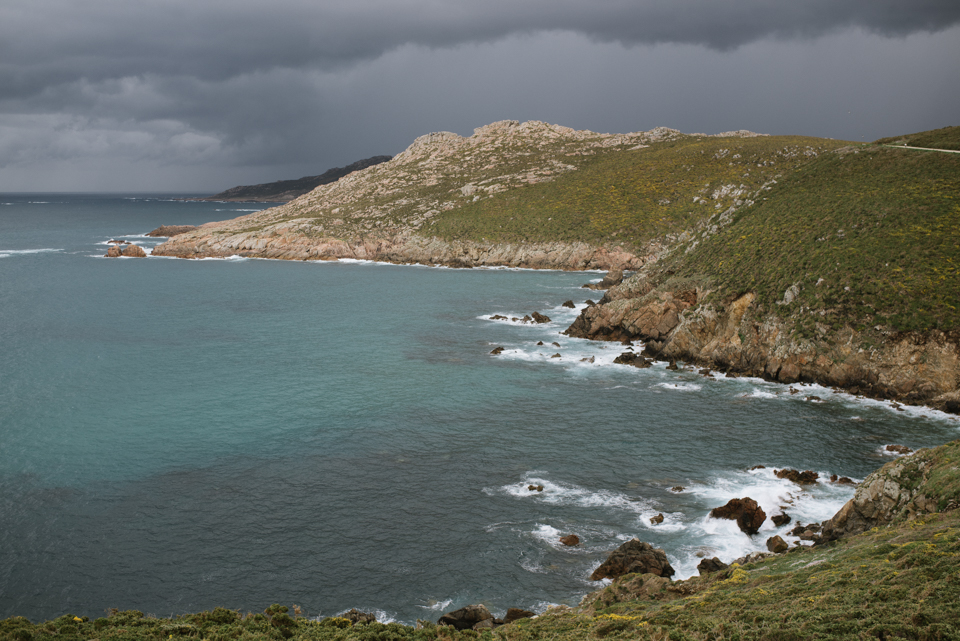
945	138
896	582
867	235
632	197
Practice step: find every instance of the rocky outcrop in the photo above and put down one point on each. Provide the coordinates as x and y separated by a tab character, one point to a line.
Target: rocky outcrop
709	566
737	337
114	251
747	513
807	477
466	617
903	489
134	251
613	278
634	556
166	231
570	540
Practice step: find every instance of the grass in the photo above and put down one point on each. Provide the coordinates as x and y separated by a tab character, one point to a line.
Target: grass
868	236
631	197
945	138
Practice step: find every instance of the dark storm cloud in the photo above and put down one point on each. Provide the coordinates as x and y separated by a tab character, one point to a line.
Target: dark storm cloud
44	43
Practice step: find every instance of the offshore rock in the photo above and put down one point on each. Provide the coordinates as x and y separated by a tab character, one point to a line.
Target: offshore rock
134	251
807	477
747	513
114	251
780	519
540	318
570	540
634	556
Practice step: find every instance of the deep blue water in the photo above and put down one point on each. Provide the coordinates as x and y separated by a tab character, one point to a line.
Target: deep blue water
177	435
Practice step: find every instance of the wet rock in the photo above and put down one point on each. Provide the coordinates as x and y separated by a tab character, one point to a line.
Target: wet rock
899	449
587	360
708	566
705	372
780	519
466	617
748	514
731	375
801	478
114	252
672	365
356	616
846	480
114	241
134	251
555	344
814	399
535	488
777	545
497	350
656	520
758	467
570	539
677	488
555	356
634	556
629	358
514	614
539	318
613	277
569	304
589	303
498	317
539	343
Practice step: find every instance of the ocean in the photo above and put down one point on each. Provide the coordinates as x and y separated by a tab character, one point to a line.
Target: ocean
178	435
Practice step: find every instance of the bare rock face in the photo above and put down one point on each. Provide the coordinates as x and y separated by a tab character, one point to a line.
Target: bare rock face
114	251
634	556
466	617
748	514
134	251
708	566
166	231
651	317
896	491
613	278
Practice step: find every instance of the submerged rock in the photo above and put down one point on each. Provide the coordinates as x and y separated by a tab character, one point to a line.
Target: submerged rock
634	556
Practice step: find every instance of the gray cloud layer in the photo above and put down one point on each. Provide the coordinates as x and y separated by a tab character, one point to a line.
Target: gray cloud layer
237	82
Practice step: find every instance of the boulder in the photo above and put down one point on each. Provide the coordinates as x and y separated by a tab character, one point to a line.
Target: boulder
497	350
516	613
777	545
748	514
629	358
134	251
555	344
801	478
677	488
555	356
780	519
570	539
899	449
657	520
498	317
539	343
466	617
539	318
708	566
753	557
587	360
569	304
634	556
114	252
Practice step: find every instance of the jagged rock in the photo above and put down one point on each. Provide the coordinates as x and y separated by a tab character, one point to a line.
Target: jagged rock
356	616
899	449
555	344
569	304
539	318
802	478
466	617
634	556
758	467
809	535
780	519
498	317
167	231
629	358
516	613
526	319
496	350
535	488
748	514
589	303
708	566
570	539
587	360
134	251
777	545
114	251
656	520
845	480
556	356
672	365
677	488
539	343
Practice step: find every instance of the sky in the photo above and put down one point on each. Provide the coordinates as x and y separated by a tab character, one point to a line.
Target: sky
196	96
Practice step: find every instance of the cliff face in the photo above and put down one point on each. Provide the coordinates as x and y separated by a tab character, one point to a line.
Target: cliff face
737	337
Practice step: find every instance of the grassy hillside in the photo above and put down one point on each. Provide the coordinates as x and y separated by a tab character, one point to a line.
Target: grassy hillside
945	138
894	582
868	235
632	197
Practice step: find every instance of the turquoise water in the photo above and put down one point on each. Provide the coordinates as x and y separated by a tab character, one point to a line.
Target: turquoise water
178	435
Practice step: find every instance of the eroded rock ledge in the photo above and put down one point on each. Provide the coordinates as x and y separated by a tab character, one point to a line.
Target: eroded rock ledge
909	367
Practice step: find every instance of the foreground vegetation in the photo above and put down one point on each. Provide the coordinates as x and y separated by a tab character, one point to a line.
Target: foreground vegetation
900	581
